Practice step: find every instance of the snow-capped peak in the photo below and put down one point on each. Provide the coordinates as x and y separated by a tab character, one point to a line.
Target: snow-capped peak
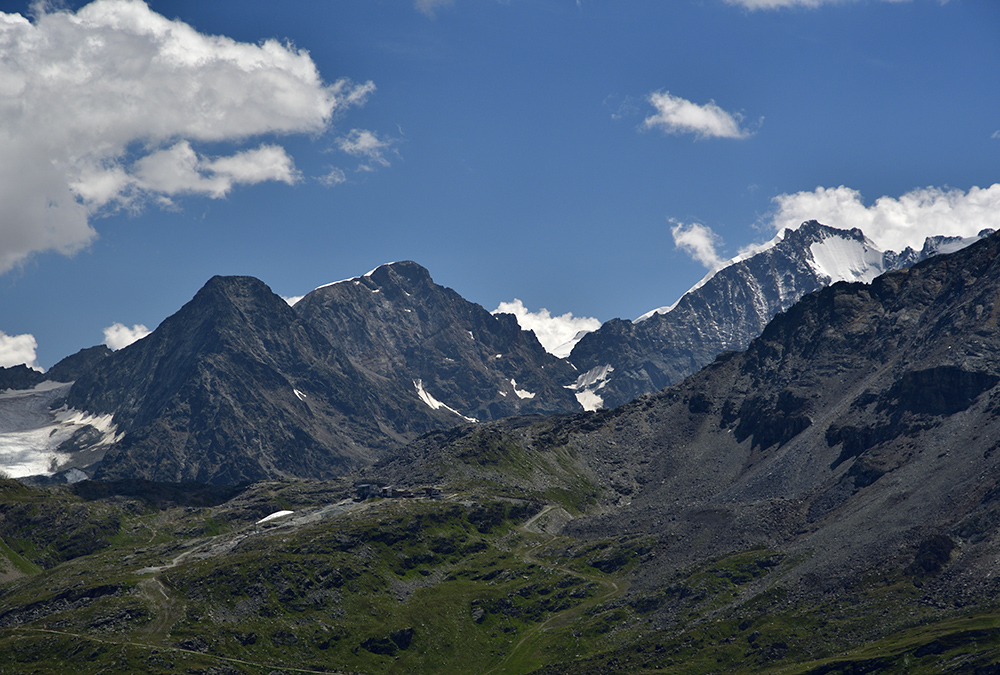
841	258
744	254
366	274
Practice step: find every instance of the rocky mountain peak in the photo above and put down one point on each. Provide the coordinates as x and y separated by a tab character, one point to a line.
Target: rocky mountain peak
407	276
396	322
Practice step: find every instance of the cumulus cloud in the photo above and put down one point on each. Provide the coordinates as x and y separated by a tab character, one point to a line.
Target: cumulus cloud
557	334
699	242
675	115
292	299
104	108
18	349
118	335
894	223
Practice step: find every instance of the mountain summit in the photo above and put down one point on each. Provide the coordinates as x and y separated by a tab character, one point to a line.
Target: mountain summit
397	323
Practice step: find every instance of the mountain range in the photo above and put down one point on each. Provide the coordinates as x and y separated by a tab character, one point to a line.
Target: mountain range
359	368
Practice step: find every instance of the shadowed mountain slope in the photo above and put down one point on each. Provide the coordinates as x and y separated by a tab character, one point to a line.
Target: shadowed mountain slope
861	425
236	387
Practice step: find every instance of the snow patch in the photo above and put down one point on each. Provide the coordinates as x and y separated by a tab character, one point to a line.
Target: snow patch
435	404
587	385
589	401
593	378
298	393
275	516
521	394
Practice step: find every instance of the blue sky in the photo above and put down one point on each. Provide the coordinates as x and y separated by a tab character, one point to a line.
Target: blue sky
590	156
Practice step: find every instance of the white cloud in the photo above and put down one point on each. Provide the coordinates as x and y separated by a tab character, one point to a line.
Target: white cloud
675	115
995	134
894	223
699	242
102	108
180	170
18	349
557	334
292	299
117	336
367	146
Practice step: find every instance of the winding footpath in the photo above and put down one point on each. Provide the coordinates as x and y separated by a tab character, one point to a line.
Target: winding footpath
532	638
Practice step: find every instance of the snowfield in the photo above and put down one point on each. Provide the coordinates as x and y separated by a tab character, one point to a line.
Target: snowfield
31	431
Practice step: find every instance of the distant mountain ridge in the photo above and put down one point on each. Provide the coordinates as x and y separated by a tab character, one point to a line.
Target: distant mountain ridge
728	308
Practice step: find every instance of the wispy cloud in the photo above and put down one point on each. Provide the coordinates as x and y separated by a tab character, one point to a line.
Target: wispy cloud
118	335
18	349
891	222
675	115
781	4
428	7
367	146
557	334
699	242
104	108
333	177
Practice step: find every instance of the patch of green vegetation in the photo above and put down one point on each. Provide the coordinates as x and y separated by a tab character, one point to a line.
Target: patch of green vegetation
19	563
422	586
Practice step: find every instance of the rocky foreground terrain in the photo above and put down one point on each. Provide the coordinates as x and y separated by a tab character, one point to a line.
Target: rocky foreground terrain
825	501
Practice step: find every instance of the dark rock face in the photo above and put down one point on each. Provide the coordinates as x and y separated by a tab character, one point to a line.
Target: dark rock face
19	377
726	312
74	366
397	323
861	417
236	387
67	370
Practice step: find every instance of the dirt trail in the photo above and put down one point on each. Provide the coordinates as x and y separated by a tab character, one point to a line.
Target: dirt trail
610	588
265	667
168	610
